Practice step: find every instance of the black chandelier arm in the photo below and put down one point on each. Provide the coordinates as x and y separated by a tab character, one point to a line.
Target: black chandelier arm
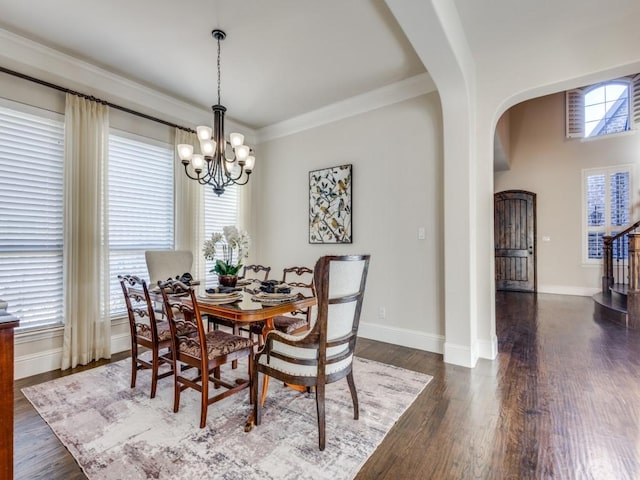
189	175
246	180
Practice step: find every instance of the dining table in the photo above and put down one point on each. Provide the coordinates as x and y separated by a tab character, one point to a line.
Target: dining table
250	309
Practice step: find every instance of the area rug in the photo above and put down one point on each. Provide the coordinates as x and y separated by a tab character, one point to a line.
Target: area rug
117	432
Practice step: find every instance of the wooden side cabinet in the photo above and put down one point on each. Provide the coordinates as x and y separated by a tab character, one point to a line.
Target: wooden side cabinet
7	324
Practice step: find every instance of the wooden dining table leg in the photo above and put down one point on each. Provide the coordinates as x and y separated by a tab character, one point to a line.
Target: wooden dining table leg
268	326
250	423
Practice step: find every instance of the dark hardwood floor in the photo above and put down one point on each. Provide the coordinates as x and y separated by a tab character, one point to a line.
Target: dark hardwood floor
561	400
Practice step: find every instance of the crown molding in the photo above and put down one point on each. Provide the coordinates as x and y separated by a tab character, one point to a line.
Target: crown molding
381	97
45	63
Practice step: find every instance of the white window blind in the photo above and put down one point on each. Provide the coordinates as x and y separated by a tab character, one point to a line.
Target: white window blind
219	211
606	208
140	208
31	215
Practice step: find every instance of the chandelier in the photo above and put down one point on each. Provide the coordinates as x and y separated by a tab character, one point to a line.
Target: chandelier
212	167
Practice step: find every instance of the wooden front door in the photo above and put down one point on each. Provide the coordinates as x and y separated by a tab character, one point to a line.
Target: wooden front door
515	240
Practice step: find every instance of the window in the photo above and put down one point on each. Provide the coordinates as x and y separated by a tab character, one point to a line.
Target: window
607	208
140	207
31	214
219	211
603	108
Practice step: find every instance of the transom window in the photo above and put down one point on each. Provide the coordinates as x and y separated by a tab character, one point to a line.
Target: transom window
606	109
603	108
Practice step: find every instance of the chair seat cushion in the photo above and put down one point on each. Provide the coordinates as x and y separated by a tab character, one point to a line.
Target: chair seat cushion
292	368
164	331
219	343
282	323
289	324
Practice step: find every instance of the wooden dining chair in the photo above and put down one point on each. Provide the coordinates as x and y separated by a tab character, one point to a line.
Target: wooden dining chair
206	351
255	273
325	353
300	279
147	331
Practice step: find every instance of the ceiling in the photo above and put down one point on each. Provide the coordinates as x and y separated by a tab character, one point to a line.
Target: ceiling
284	58
281	58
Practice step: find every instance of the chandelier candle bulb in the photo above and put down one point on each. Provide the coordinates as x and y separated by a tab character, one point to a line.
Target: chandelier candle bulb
204	132
236	139
207	147
185	152
197	161
242	152
249	163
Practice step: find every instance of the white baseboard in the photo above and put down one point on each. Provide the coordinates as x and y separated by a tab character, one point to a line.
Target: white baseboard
461	355
401	336
488	348
568	290
48	360
35	363
121	342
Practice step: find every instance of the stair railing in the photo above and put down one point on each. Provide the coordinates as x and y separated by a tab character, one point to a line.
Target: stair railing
616	268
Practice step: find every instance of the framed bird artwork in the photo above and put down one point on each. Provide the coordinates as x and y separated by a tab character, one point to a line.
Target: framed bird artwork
330	205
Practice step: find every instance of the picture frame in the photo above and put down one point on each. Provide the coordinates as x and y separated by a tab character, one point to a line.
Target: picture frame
330	209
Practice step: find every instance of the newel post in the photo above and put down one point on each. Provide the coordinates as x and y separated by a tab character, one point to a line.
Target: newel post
633	294
607	267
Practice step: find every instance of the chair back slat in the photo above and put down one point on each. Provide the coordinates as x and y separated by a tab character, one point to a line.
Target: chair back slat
190	313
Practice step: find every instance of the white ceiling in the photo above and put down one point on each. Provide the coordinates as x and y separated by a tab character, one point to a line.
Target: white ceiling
283	58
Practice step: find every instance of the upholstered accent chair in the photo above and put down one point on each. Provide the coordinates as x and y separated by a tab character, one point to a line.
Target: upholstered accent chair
147	331
206	351
165	264
325	353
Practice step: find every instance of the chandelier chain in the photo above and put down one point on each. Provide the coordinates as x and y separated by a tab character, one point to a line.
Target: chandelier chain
219	71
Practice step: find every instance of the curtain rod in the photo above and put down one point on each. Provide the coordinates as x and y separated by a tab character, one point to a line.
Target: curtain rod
94	99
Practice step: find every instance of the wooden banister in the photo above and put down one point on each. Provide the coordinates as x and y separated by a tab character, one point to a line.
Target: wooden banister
621	273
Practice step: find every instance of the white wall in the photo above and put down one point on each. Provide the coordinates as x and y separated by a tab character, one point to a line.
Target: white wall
543	161
396	153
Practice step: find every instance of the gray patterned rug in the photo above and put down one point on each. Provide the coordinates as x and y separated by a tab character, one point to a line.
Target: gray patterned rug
115	432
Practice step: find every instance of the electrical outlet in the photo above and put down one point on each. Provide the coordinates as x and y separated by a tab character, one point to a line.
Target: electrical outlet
382	313
421	233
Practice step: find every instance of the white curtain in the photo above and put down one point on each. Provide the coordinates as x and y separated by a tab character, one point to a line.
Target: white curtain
189	210
87	329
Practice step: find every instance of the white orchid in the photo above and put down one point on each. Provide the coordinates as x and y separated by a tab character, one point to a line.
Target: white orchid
234	239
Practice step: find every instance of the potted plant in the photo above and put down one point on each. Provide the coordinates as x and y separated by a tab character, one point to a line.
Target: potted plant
231	240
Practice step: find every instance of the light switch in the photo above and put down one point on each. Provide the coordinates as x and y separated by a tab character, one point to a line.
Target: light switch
546	239
421	233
